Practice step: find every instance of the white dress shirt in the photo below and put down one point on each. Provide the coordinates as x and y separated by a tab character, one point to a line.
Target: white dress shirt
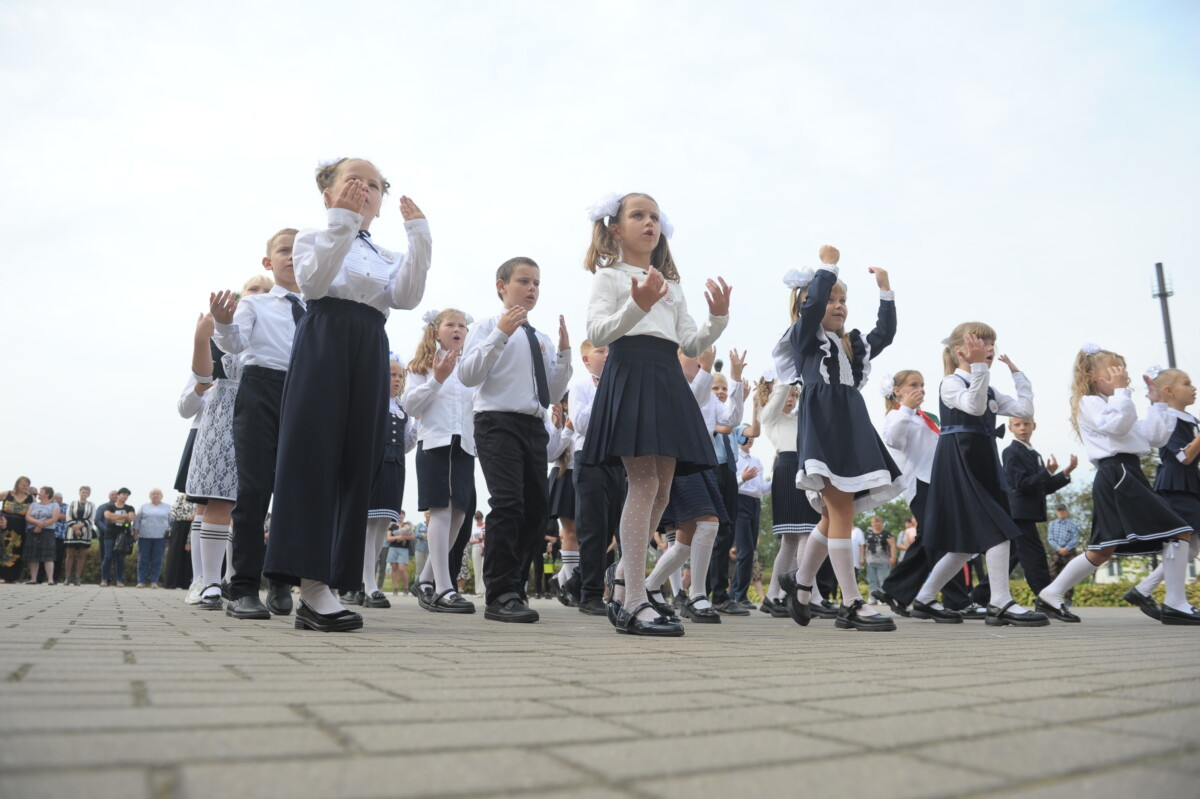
443	410
973	399
502	368
912	443
190	403
717	413
561	441
336	262
262	330
757	486
612	313
1109	425
580	399
780	428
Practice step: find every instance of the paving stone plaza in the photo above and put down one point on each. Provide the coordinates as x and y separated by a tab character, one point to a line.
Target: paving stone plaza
130	693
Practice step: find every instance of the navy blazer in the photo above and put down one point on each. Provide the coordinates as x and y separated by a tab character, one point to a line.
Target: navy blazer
1029	482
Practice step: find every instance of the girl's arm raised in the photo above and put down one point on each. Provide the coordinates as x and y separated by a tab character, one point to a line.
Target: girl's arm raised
1022	405
317	255
803	335
1114	416
693	340
970	398
885	321
407	285
774	407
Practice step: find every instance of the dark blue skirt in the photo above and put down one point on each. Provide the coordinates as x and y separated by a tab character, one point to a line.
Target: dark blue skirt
185	462
693	496
643	406
1127	514
387	490
791	512
967	510
562	494
445	477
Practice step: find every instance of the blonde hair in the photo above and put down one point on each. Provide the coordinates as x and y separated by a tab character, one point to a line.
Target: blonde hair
327	174
586	348
796	302
981	329
763	392
1082	383
287	231
1167	377
422	362
605	250
898	379
261	280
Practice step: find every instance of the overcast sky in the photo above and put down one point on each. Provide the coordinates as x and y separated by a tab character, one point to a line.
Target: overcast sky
1023	163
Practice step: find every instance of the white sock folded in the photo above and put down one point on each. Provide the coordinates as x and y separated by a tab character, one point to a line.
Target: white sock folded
1075	572
941	573
320	597
702	546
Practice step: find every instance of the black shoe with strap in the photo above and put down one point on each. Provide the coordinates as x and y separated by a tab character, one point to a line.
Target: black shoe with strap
341	622
707	615
941	615
659	602
213	601
898	607
660	626
511	607
800	612
1000	617
849	618
450	601
1059	613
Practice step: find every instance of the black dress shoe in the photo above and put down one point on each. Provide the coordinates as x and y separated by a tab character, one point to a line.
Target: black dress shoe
279	598
898	607
801	612
731	607
659	603
779	609
423	592
376	600
1172	616
973	612
766	606
450	601
568	593
510	608
228	597
941	615
823	609
849	618
247	607
680	599
210	602
1061	613
707	615
592	607
341	622
747	604
999	617
1144	603
660	626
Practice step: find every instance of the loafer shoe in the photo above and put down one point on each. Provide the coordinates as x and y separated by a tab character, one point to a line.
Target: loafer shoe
801	612
213	602
941	615
1060	613
1144	603
779	609
898	607
510	608
341	622
1000	617
731	607
378	600
849	618
660	626
592	607
279	598
450	601
747	604
247	607
766	606
707	615
1172	616
823	609
423	592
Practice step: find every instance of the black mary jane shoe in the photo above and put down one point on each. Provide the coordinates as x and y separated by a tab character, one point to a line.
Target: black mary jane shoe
279	598
660	626
707	615
450	601
849	618
999	617
1059	613
423	592
612	607
766	606
973	612
779	609
823	609
898	607
376	600
1143	603
942	615
800	612
511	607
212	602
659	602
341	622
1172	616
247	607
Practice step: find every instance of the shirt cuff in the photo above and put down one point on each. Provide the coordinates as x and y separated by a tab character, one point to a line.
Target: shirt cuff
1181	456
887	295
343	216
982	366
202	380
498	337
829	268
416	224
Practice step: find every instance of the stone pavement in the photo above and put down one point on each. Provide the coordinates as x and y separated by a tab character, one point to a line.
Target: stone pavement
129	693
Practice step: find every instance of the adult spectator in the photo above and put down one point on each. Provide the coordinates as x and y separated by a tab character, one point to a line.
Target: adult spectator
907	538
119	518
421	536
399	539
150	528
99	521
60	537
879	554
79	536
39	548
16	503
1063	536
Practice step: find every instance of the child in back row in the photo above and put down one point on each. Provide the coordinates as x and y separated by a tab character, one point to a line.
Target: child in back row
1129	518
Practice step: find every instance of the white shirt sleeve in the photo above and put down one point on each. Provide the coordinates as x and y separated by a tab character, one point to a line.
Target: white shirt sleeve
611	312
732	410
1114	416
190	402
1022	405
485	344
317	255
972	398
895	427
420	391
701	387
407	284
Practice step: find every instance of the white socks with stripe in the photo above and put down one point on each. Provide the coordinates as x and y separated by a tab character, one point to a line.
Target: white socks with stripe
702	546
949	565
570	562
194	546
214	540
997	568
1075	572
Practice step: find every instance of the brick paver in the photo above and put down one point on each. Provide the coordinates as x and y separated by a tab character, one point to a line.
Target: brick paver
129	693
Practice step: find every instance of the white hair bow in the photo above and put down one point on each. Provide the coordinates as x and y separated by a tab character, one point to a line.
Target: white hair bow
768	375
327	162
1154	371
607	206
432	314
797	279
887	386
1090	348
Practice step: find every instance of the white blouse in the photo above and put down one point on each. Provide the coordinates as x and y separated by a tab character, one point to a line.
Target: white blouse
190	403
612	313
972	398
912	443
580	400
780	428
443	410
1109	425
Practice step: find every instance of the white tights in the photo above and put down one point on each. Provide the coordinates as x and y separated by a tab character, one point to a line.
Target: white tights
376	535
443	523
649	489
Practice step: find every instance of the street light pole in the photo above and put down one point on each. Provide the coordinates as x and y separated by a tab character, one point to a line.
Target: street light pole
1161	294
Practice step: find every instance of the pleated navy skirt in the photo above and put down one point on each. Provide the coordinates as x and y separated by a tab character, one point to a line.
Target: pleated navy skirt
1127	514
791	511
643	406
387	490
562	494
967	510
445	477
185	462
693	496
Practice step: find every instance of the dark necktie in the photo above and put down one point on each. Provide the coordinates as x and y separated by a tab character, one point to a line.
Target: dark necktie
366	236
539	366
297	308
727	445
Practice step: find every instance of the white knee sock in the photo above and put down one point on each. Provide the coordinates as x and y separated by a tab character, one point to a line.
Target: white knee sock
1155	578
676	577
997	568
376	530
1076	570
702	546
841	557
438	562
214	538
570	562
784	560
949	565
816	549
194	544
668	564
1175	563
320	597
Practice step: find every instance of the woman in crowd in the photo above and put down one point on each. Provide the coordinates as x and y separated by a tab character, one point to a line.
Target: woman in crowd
16	502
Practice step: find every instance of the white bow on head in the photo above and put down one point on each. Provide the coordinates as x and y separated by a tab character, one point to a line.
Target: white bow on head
1090	348
798	279
608	205
1154	371
887	386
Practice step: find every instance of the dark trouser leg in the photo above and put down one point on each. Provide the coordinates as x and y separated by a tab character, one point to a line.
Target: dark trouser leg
745	539
1032	555
718	569
459	544
255	438
826	580
599	495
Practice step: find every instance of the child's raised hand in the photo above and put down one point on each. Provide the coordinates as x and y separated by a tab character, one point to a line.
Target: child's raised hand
736	364
650	291
708	358
829	255
222	304
1012	367
1071	464
913	399
881	278
973	350
1153	392
352	197
511	319
1119	377
718	297
564	338
205	327
409	209
1052	465
444	367
556	415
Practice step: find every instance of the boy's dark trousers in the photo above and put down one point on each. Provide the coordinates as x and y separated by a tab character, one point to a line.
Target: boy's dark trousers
599	499
512	454
255	440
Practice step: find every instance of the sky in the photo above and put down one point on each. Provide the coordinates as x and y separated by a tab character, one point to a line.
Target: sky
1021	163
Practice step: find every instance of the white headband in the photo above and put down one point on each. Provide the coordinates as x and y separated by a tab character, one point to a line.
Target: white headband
1154	371
609	204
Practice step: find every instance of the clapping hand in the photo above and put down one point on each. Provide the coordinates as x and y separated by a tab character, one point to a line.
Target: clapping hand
511	319
1052	465
443	367
409	209
717	295
222	304
649	291
1153	392
1012	367
1071	464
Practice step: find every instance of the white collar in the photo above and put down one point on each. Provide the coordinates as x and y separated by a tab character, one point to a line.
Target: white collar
631	270
1184	415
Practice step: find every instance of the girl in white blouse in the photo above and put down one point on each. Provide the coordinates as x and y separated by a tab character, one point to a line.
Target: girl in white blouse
644	415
